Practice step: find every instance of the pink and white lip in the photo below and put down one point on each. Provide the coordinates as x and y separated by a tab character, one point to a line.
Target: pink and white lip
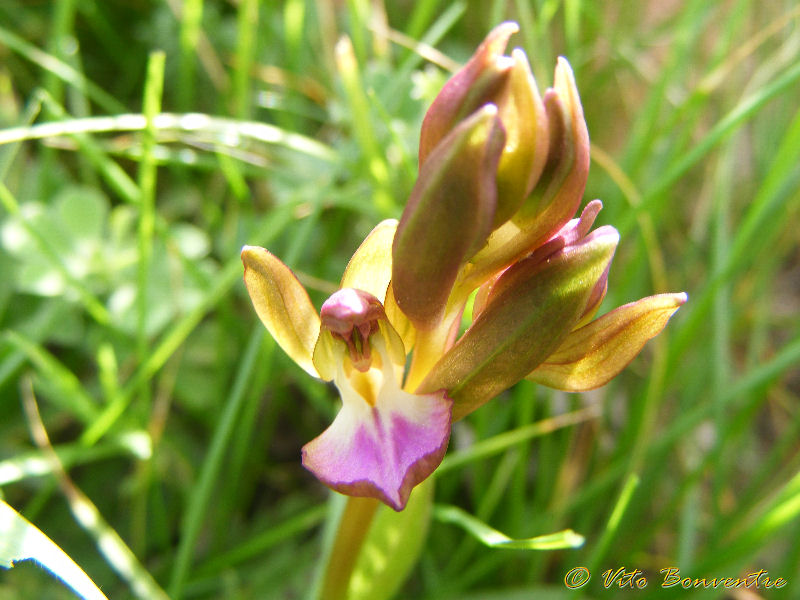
384	441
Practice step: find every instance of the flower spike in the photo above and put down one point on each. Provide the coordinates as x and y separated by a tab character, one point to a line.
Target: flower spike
558	191
490	77
502	172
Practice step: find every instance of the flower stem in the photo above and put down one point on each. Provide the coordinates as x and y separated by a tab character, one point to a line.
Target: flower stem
352	529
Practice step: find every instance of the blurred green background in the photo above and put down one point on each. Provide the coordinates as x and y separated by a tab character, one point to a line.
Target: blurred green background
124	316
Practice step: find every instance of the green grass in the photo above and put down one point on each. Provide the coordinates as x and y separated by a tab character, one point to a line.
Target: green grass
180	422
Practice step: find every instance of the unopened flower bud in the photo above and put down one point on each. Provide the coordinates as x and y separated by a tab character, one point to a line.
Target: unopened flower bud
507	82
448	216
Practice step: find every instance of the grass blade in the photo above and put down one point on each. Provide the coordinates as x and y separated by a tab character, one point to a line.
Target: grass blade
20	540
495	539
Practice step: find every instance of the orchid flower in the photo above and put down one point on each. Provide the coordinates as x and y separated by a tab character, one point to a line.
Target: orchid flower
502	170
384	440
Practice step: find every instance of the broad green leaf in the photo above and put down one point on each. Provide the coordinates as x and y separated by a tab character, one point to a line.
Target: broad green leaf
594	354
20	540
282	304
489	536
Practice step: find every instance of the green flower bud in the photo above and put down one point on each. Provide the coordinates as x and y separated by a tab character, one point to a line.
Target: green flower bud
448	216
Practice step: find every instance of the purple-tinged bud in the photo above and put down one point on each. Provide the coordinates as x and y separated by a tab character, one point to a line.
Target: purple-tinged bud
571	233
490	77
595	299
524	119
448	216
559	190
468	89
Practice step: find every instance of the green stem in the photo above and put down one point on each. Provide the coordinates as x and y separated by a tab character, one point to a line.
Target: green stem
191	17
359	104
351	531
247	26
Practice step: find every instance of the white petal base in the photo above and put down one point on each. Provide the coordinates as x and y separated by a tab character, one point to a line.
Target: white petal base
381	449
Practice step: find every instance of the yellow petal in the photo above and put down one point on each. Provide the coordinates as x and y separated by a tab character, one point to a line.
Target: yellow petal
282	304
524	118
326	356
370	268
594	354
399	321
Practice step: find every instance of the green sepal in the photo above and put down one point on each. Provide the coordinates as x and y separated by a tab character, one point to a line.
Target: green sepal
531	309
448	216
594	354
